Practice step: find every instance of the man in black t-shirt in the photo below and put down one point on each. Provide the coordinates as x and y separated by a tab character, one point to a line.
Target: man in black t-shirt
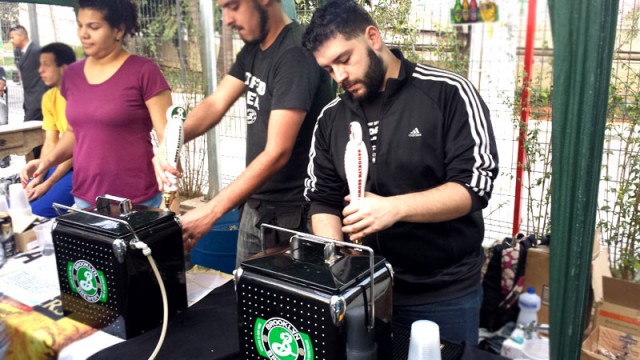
285	91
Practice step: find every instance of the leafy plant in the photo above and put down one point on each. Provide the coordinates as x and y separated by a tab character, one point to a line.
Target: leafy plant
619	213
450	50
536	142
394	21
193	159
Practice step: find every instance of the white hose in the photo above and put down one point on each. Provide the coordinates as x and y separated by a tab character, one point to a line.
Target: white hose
165	307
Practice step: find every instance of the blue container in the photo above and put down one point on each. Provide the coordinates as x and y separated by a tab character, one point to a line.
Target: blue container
217	249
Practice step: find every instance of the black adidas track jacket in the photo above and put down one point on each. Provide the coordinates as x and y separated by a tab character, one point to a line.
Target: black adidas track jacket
434	129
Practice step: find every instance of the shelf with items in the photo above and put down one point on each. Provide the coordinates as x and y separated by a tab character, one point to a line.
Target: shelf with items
469	12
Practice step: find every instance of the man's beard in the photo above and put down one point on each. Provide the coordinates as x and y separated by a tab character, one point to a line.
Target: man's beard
264	17
372	79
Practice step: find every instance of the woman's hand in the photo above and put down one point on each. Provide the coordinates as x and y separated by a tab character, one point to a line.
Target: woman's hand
38	190
29	171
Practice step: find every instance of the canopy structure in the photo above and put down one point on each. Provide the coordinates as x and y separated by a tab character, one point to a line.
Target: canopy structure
580	29
48	2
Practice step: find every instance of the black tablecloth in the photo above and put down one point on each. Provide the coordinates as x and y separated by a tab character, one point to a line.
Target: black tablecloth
206	330
209	330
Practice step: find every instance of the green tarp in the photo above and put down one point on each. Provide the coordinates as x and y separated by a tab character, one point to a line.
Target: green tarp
583	38
49	2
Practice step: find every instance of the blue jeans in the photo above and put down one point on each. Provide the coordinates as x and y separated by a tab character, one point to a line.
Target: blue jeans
154	202
458	319
59	193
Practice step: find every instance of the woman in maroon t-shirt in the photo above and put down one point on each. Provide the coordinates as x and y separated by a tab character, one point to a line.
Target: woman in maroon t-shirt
114	99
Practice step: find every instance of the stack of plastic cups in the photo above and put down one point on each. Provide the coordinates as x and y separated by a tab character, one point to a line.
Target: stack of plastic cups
425	341
20	206
4	206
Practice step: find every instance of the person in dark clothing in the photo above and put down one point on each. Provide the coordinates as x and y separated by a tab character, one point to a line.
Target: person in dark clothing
285	91
4	110
433	162
28	64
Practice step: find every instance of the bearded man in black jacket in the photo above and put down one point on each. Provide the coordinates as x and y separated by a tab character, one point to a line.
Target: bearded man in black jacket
433	162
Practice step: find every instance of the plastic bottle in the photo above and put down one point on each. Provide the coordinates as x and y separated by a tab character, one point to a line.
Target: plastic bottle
529	304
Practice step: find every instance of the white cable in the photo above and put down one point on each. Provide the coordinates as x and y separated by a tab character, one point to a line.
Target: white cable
165	307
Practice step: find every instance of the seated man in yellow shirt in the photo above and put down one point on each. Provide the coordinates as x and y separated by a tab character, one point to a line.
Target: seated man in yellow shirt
55	185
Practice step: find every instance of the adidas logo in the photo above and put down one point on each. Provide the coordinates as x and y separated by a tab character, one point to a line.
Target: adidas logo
415	133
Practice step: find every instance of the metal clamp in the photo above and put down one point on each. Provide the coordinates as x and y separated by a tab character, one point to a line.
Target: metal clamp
103	204
323	240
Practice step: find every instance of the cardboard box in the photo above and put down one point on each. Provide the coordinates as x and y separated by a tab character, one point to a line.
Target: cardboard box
605	341
536	274
620	308
23	232
25	241
617	322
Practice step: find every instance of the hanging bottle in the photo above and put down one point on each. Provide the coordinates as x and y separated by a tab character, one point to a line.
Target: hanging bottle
473	11
457	12
465	11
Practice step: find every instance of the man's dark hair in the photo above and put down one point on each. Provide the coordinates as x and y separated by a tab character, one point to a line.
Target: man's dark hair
344	17
115	13
63	53
20	29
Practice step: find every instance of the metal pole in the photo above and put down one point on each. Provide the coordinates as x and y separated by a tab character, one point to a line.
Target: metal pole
34	34
524	113
209	68
183	66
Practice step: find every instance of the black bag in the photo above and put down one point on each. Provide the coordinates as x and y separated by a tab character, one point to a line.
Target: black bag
503	281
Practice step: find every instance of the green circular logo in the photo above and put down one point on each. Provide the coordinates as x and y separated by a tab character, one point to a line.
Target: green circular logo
282	343
177	112
88	282
278	339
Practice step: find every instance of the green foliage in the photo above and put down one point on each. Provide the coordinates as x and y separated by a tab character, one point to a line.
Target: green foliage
394	22
8	17
160	29
619	214
536	142
305	9
448	50
163	23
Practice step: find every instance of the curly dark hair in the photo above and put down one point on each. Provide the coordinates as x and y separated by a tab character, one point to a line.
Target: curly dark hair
62	53
116	13
344	17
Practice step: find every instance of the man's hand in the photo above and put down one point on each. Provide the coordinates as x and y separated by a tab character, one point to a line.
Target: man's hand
195	224
162	168
370	215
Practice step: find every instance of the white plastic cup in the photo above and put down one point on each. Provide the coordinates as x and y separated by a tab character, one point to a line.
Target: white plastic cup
18	200
536	349
425	341
4	206
44	238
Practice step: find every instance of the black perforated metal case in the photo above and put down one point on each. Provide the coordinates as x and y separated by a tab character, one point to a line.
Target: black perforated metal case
294	304
107	284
